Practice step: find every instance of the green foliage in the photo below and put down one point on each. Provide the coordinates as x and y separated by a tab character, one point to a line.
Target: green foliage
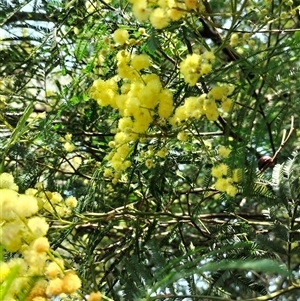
163	231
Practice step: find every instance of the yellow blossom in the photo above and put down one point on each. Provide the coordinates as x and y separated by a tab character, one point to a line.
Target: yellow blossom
211	109
4	270
38	226
231	190
31	191
149	163
221	184
8	200
68	137
38	291
69	147
190	68
95	296
71	283
7	181
108	173
181	114
191	4
71	201
27	206
162	3
140	10
219	170
54	287
56	197
120	36
226	104
142	123
182	136
165	107
140	61
123	56
10	236
209	56
224	151
41	244
142	31
162	153
159	18
234	39
206	68
112	144
54	268
212	113
127	72
175	14
217	92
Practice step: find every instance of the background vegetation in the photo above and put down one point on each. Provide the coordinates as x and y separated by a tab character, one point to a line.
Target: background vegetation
182	212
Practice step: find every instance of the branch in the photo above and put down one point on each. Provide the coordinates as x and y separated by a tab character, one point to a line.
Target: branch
31	16
262	298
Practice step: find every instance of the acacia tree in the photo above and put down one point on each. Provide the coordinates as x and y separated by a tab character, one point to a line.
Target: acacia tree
150	146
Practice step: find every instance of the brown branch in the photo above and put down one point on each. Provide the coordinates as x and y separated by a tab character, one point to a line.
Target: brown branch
31	16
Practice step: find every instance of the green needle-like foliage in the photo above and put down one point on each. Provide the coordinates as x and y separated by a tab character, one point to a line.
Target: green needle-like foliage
159	142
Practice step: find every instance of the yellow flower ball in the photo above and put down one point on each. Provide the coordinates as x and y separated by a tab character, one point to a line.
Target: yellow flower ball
140	61
205	68
71	202
224	151
108	173
226	104
159	18
209	56
162	153
182	136
191	4
149	163
95	296
54	268
221	184
140	10
234	40
7	181
11	237
190	67
54	287
217	92
8	201
120	36
71	283
220	170
41	244
27	206
165	107
231	190
69	146
38	226
125	123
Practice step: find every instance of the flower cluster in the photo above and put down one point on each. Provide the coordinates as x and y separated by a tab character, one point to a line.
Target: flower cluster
196	65
52	202
161	12
205	104
225	178
68	144
23	231
140	100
